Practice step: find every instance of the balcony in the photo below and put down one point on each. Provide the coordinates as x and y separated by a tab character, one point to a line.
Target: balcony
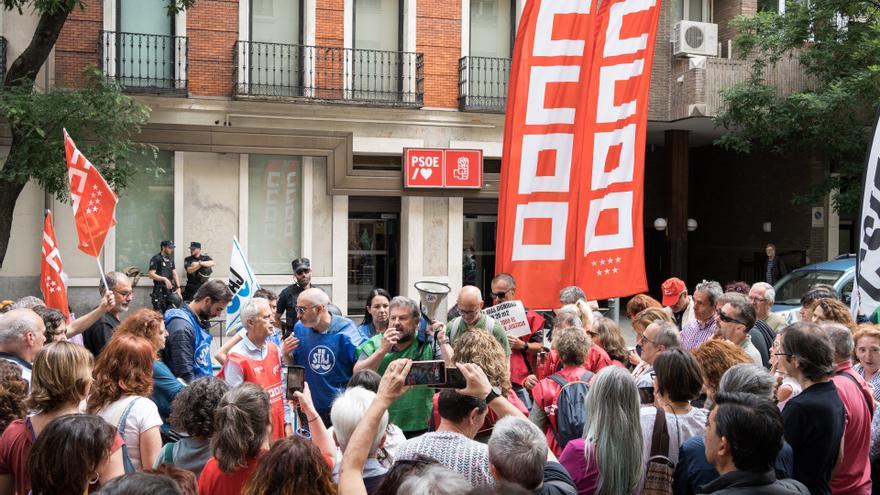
145	63
329	74
482	84
698	83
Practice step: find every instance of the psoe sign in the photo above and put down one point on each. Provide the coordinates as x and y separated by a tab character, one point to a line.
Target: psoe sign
436	168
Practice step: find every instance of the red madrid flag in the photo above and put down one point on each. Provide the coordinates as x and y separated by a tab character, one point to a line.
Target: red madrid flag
51	271
93	201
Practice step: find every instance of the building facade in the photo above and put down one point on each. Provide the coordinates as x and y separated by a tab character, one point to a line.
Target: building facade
283	123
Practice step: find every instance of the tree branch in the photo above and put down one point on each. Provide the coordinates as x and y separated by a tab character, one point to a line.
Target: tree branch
25	68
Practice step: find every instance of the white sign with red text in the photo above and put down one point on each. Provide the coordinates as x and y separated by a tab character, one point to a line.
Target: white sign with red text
512	316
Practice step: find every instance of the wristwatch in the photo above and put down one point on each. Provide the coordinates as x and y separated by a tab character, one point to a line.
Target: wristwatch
493	394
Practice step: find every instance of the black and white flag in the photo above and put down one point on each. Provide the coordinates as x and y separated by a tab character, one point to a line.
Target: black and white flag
867	297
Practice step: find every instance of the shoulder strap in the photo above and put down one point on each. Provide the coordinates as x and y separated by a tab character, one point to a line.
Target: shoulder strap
452	328
168	451
121	426
559	379
660	437
868	400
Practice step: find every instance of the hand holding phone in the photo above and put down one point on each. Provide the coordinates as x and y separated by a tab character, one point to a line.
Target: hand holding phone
431	373
294	380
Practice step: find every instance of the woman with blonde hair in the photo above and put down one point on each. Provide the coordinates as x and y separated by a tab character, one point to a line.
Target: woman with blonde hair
149	324
121	395
608	460
61	380
867	350
482	349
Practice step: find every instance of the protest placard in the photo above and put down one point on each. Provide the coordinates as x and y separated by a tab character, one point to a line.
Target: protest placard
512	316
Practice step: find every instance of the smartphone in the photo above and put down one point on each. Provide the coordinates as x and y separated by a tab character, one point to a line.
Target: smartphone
295	380
646	395
431	373
454	379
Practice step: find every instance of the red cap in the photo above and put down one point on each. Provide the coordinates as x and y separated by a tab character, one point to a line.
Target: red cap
672	289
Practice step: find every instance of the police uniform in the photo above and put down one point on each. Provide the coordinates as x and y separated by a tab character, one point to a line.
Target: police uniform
162	297
197	278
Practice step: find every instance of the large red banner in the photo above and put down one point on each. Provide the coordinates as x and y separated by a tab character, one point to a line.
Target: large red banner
570	208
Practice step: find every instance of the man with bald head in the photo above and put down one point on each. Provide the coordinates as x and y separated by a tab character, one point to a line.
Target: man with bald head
22	335
470	305
325	345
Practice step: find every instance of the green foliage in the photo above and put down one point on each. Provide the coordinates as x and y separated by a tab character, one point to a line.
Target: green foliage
55	6
99	117
838	42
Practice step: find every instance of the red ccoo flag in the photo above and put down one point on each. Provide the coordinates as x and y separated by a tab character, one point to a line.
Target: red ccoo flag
93	201
51	271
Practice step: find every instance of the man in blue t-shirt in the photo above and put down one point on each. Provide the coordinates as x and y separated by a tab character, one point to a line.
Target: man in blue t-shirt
326	345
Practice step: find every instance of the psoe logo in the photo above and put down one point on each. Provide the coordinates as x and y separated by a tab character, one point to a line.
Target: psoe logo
322	359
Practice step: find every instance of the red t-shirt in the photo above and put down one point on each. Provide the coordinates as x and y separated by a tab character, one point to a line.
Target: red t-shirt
15	445
214	481
519	367
854	474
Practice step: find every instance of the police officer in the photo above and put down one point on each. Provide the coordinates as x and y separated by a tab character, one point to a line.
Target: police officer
302	272
198	268
166	286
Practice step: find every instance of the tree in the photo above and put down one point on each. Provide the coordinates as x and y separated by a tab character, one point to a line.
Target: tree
838	43
99	111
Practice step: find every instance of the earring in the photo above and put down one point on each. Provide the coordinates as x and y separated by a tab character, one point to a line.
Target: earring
97	477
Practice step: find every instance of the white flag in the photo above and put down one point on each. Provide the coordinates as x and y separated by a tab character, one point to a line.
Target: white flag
242	283
866	297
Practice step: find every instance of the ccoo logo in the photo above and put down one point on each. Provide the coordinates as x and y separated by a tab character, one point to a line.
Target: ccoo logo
321	359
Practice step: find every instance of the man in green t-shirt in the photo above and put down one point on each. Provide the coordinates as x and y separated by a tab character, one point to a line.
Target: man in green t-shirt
402	339
470	304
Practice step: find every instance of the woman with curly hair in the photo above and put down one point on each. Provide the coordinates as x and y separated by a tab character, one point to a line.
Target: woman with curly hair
833	310
606	334
482	349
715	357
13	392
192	414
293	466
61	379
123	384
148	324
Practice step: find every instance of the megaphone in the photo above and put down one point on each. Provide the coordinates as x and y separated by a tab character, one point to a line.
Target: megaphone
431	295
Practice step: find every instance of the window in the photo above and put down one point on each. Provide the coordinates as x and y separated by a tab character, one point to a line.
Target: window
276	55
492	28
274	212
145	213
376	58
146	44
690	10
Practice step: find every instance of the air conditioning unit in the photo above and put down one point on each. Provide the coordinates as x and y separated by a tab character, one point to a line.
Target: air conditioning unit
695	38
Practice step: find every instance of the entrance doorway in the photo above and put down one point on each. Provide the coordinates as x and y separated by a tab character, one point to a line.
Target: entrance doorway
373	240
478	249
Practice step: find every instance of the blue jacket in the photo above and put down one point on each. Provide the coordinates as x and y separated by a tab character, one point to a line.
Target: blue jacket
188	347
165	389
328	358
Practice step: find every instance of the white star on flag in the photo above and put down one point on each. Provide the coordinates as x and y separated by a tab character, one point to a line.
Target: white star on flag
593	262
598	273
602	261
618	259
607	271
610	260
615	270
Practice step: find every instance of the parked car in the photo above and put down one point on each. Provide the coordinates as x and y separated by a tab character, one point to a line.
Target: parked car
838	273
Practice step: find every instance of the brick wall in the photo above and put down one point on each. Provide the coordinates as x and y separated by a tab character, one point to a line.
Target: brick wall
658	97
725	12
438	36
212	30
77	45
329	15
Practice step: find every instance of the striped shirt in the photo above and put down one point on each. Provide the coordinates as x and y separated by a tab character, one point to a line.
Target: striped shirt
694	333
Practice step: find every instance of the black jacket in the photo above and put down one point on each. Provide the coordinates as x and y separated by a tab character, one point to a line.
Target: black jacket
748	482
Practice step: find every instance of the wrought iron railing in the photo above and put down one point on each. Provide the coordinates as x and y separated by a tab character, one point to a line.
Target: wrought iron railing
145	62
329	73
482	84
2	59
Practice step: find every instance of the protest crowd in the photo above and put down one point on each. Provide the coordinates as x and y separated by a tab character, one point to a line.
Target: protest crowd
719	395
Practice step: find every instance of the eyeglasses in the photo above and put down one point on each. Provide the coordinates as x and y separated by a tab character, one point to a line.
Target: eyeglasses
303	271
302	309
782	354
499	295
469	312
643	339
727	319
757	299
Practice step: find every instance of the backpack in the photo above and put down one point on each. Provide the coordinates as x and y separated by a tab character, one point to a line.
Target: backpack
571	410
660	470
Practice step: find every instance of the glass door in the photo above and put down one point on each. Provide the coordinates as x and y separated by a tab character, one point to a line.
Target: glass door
478	253
373	258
